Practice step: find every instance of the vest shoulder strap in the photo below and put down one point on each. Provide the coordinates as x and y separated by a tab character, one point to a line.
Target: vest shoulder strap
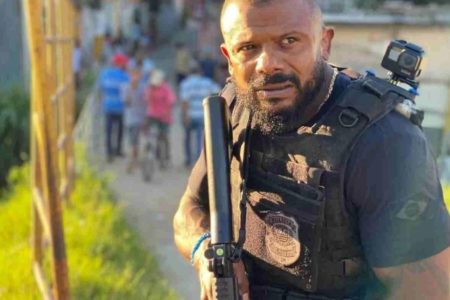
373	98
347	71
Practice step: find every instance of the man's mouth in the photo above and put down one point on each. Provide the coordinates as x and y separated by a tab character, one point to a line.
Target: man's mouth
276	90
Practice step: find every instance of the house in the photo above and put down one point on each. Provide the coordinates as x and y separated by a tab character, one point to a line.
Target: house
13	60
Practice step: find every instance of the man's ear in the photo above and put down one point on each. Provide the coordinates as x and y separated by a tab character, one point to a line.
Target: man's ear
325	43
224	50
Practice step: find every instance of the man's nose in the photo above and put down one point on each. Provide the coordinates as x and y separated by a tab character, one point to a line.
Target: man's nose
268	62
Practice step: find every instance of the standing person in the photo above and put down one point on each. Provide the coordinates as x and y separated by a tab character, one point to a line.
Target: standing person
193	89
147	68
161	98
208	64
111	81
135	112
182	59
76	63
339	194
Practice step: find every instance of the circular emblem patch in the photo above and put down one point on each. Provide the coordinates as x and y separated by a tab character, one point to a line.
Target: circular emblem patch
281	238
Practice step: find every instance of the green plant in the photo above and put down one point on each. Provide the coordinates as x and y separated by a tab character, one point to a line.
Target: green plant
447	196
106	260
86	86
14	129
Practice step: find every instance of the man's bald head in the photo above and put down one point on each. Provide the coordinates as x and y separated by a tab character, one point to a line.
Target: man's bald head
312	5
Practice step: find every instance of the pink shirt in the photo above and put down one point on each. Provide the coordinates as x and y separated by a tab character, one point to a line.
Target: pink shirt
160	101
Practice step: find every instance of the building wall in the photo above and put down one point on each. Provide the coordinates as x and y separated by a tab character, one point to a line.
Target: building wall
362	46
11	55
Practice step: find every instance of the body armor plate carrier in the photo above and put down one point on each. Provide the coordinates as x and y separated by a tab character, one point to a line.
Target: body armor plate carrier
288	194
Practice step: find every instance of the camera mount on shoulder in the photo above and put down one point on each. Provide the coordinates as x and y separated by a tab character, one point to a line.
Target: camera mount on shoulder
403	61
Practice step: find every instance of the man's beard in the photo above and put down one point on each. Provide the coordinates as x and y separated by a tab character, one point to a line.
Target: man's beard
270	122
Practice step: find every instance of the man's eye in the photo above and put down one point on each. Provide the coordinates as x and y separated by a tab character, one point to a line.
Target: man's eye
288	41
246	48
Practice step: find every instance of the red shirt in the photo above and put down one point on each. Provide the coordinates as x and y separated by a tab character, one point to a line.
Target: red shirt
160	100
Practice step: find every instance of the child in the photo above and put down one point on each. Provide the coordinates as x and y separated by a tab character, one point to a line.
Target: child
135	108
161	98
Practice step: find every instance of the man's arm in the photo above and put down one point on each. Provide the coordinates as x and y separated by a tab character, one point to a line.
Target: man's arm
425	279
403	222
190	222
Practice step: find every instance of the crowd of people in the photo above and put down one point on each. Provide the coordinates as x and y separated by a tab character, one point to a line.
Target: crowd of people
138	102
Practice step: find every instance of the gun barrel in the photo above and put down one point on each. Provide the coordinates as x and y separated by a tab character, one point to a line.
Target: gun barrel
217	161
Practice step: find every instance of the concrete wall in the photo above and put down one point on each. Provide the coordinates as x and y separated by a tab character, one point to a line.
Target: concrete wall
362	46
11	48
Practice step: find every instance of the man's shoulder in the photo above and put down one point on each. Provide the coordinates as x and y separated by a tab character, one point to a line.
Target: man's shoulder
391	127
392	186
189	80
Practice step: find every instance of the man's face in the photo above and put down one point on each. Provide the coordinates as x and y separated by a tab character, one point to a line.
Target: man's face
276	54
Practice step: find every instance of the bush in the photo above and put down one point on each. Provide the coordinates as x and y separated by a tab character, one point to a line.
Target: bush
86	86
14	130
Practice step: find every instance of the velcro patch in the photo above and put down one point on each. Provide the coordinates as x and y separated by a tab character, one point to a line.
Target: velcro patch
412	210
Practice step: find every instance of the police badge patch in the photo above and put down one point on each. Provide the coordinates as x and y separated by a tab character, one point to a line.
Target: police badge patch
282	240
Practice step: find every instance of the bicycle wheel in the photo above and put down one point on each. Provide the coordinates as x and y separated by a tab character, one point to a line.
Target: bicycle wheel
148	165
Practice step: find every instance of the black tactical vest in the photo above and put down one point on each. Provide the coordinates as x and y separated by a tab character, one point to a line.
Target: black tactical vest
298	233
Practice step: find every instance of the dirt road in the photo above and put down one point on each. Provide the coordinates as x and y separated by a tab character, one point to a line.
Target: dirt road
149	207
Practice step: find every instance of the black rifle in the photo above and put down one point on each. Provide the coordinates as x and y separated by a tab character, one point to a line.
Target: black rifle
221	251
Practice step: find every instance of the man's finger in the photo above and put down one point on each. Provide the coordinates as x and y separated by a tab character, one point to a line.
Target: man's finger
203	294
241	276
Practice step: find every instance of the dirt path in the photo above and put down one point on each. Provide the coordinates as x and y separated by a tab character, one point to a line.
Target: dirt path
149	207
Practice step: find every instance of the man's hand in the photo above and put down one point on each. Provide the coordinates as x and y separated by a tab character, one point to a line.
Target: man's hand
206	277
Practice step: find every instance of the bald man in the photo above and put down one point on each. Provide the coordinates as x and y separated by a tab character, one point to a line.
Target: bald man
339	194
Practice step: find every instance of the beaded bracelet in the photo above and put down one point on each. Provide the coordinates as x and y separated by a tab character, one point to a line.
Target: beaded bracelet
202	238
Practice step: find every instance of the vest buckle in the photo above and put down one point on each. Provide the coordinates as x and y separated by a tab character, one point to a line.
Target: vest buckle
348	118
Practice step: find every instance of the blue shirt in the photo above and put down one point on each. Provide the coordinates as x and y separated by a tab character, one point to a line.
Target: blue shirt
391	187
110	83
193	90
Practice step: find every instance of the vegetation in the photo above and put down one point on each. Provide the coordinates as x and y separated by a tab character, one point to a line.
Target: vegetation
15	123
105	258
86	86
14	130
447	196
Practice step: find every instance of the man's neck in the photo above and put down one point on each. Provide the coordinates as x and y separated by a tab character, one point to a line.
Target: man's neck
321	96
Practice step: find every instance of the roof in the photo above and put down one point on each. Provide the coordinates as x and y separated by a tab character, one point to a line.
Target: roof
425	19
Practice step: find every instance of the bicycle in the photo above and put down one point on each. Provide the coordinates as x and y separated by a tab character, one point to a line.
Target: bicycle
154	152
148	160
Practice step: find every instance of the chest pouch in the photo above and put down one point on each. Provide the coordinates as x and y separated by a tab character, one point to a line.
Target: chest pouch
285	218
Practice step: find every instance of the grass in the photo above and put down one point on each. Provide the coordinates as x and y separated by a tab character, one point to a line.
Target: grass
105	258
86	86
447	196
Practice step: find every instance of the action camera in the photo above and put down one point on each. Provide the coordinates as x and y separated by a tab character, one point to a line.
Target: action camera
403	60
